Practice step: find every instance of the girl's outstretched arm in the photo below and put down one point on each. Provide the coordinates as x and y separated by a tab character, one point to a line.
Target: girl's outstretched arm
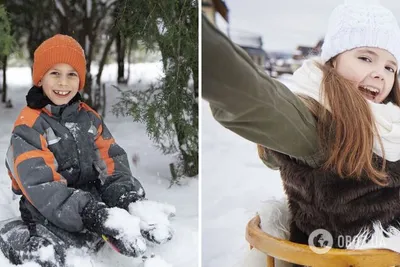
244	99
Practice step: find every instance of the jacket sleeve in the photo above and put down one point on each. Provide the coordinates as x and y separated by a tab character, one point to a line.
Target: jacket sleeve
113	166
33	168
244	99
267	158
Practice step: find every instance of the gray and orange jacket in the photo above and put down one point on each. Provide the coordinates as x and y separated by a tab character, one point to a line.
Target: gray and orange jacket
60	157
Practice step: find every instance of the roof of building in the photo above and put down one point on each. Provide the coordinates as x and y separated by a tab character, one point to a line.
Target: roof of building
254	50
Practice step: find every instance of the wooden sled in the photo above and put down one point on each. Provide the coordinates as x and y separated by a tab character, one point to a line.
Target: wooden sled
303	255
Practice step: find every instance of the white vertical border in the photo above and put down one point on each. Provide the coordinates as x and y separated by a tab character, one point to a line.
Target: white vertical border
199	101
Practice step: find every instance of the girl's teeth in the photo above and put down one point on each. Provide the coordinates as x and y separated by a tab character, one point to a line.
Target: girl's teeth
371	89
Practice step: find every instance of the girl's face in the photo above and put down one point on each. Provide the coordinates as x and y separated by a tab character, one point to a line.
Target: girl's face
60	83
373	71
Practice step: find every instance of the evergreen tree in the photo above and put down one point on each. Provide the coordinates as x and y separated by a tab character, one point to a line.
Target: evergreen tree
6	40
168	108
6	44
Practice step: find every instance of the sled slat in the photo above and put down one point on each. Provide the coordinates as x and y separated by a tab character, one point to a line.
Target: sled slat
270	261
303	255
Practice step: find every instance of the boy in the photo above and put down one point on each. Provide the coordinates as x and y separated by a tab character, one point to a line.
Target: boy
66	165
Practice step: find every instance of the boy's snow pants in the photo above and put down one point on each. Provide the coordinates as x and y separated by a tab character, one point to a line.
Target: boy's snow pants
45	244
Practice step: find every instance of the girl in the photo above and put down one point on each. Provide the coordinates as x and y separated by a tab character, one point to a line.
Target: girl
72	175
334	134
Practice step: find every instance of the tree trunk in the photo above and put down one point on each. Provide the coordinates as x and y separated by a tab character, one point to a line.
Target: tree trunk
104	57
104	101
130	44
4	96
190	160
88	90
189	156
97	102
120	47
195	110
86	34
195	106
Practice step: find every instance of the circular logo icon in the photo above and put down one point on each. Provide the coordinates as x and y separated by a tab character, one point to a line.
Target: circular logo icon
320	241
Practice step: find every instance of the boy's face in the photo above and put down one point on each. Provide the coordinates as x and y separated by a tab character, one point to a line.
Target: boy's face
60	83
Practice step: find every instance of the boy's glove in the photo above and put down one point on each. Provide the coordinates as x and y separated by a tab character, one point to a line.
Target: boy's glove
119	190
129	197
116	226
154	219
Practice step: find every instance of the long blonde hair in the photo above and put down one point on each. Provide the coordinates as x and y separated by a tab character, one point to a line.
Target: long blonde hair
348	146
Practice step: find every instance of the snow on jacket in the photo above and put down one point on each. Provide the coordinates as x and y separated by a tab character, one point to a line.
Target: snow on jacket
62	156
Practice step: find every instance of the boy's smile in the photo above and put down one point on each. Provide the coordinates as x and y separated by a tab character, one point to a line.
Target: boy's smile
60	83
62	93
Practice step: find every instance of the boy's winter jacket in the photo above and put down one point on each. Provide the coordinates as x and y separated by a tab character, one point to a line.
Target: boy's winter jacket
61	157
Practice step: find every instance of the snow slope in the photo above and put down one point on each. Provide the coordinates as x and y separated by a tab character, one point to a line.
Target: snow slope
234	185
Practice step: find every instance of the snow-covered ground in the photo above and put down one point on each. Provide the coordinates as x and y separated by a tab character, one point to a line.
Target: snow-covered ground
152	170
234	185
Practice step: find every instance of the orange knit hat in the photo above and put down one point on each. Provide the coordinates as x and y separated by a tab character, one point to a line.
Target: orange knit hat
59	49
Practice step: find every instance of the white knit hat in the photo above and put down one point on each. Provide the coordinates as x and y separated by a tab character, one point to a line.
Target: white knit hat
361	23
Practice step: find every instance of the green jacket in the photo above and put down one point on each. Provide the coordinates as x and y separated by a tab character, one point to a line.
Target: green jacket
245	100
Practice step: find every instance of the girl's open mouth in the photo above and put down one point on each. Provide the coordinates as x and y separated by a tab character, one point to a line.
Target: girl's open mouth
369	92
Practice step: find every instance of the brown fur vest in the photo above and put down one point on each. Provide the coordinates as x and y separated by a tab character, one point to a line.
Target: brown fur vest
342	206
